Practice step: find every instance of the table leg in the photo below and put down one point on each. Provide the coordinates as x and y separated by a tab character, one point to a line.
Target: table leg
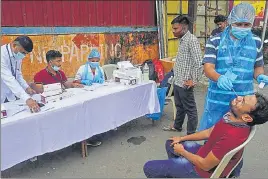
83	148
86	154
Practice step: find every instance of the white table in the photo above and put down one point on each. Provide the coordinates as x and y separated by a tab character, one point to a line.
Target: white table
74	119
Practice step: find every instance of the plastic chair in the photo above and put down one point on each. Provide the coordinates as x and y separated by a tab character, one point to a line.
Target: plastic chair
171	98
218	171
108	70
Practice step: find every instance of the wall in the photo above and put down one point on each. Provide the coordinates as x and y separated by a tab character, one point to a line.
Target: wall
77	13
133	46
121	30
173	9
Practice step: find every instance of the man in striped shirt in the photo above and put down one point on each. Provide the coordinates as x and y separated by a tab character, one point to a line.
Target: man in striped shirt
187	71
233	59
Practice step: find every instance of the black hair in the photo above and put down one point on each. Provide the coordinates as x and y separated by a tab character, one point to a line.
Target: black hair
181	19
25	42
260	113
51	54
220	18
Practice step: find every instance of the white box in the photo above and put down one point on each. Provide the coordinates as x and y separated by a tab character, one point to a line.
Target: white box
52	87
52	93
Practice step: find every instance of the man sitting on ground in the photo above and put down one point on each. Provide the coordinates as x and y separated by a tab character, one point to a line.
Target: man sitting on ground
188	159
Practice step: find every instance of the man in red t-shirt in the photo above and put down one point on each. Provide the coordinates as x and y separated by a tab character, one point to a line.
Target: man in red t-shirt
52	73
188	159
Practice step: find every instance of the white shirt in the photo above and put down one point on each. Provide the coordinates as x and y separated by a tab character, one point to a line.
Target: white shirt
80	72
11	86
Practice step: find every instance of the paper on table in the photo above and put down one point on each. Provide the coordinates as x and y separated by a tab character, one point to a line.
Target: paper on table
94	86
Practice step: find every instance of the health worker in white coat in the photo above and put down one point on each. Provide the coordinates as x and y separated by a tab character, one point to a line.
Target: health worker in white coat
13	86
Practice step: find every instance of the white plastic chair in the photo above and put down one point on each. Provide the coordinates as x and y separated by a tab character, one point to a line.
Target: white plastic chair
171	98
108	70
218	171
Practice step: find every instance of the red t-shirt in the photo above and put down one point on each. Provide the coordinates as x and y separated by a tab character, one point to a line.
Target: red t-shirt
224	138
46	77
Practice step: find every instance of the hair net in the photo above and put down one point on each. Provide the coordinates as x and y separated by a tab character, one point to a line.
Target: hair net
94	54
243	12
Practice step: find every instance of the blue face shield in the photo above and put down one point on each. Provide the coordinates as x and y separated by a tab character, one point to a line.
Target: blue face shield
94	64
19	55
239	32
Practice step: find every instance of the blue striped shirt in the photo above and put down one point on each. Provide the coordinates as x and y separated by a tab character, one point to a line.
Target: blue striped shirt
212	47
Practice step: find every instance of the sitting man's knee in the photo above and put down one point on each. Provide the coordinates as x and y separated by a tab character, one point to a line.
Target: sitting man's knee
191	146
148	169
168	143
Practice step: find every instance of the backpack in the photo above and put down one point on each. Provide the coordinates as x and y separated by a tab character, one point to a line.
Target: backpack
159	69
152	72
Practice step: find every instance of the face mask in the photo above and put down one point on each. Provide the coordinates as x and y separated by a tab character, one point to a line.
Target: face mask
93	64
19	55
239	32
56	68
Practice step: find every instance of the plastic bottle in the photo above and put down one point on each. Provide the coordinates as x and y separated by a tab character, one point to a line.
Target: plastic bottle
146	73
139	75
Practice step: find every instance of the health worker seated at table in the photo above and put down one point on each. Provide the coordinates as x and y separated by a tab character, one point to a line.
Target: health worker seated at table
91	72
52	73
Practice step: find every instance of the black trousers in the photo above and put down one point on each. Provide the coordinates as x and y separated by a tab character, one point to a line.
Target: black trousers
185	104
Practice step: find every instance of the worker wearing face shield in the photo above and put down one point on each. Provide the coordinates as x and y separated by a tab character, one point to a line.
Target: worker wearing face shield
232	60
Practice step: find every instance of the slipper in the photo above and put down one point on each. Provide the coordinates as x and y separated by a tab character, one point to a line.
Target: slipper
170	129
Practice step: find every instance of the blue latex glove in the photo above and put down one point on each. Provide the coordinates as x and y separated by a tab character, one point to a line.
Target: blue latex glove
86	82
100	81
224	83
262	78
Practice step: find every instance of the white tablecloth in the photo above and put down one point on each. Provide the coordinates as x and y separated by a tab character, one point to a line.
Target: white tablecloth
74	119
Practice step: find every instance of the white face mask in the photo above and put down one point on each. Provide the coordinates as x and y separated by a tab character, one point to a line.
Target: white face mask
56	68
19	55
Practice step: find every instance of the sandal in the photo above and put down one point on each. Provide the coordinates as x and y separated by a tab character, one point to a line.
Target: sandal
171	129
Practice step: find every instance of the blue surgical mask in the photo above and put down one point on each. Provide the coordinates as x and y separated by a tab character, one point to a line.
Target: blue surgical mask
19	55
56	68
94	64
239	32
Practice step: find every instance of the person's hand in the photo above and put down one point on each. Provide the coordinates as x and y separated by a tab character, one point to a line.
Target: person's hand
30	91
179	149
77	85
32	104
262	78
86	82
100	81
224	83
175	140
189	84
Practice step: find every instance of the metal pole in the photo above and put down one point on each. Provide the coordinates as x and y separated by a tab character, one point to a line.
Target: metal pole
160	6
206	4
166	29
265	23
217	7
160	28
180	7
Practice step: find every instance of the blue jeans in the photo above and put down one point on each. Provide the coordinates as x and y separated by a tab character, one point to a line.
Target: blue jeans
175	167
164	82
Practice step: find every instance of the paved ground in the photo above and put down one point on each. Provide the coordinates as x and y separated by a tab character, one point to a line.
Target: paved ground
119	158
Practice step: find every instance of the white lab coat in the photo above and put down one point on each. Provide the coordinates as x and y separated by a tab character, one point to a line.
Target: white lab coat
11	86
80	72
